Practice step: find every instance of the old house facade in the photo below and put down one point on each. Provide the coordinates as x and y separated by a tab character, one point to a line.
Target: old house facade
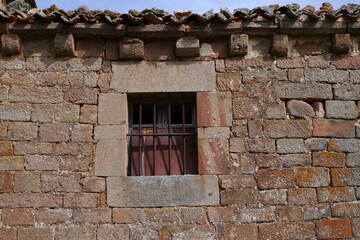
146	125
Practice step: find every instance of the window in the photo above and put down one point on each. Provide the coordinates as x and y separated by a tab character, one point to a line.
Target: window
162	134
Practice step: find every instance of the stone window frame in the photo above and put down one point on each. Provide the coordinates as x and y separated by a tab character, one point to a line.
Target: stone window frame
213	133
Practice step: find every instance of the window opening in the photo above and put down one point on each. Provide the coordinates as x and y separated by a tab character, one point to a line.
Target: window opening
162	134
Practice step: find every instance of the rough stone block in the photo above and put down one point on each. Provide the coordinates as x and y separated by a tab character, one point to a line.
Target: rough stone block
15	112
112	232
292	62
53	216
240	181
209	105
312	177
299	108
341	109
112	50
188	47
257	62
267	160
17	216
8	234
242	197
22	131
213	156
245	108
333	128
88	114
41	162
256	215
336	194
64	45
334	228
303	91
302	196
114	132
93	184
353	160
273	197
26	182
286	129
75	232
107	103
268	178
10	44
98	215
54	132
35	95
88	48
326	75
238	231
11	163
213	132
347	92
341	43
276	111
239	44
30	200
316	144
316	212
289	230
82	133
346	209
228	81
290	146
128	215
63	64
68	182
6	148
280	45
263	145
81	95
131	49
318	62
344	145
155	31
290	160
55	113
44	233
160	77
111	158
288	214
239	145
81	200
345	177
162	191
62	149
356	227
6	182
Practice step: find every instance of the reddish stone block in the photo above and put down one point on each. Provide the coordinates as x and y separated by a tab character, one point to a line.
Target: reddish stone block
286	129
54	132
221	214
104	81
280	45
82	232
17	216
82	133
267	178
294	62
262	145
193	215
53	216
284	231
273	197
329	159
288	214
346	62
302	196
35	95
6	182
239	44
88	114
188	47
6	148
7	234
26	181
112	232
228	81
240	197
213	156
336	194
10	44
341	43
243	163
333	128
239	181
312	177
131	49
245	108
333	229
97	215
67	182
87	48
300	108
64	45
258	62
316	212
209	105
355	224
22	148
296	74
93	184
44	233
30	200
239	145
128	215
267	160
345	177
346	210
71	148
81	95
81	200
238	231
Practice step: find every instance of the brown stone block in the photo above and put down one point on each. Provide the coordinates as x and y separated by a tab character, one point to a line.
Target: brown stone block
55	113
280	45
11	163
6	182
347	92
267	179
282	231
17	216
128	215
54	132
10	44
64	45
213	156
209	105
273	197
22	131
37	48
41	162
239	181
228	81
30	200
318	62
81	200
67	182
88	114
293	62
160	51
243	163
303	91
312	177
341	177
15	112
82	133
290	146
299	108
53	216
268	160
112	232
290	160
262	145
43	233
328	159
81	95
346	210
302	196
238	231
341	109
98	215
336	194
188	47
26	181
71	148
333	229
239	44
316	212
288	214
93	184
245	108
286	129
63	64
333	128
107	103
193	215
341	43
35	95
87	48
76	163
346	62
75	232
241	197
241	63
131	49
6	148
8	234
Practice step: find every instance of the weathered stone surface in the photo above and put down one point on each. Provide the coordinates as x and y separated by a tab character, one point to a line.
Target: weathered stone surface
174	191
319	109
8	234
258	62
41	162
110	132
163	77
240	181
292	62
107	103
263	145
88	114
22	131
75	232
299	108
59	64
111	158
344	145
290	160
336	194
312	177
89	48
341	43
346	62
302	196
17	216
353	160
288	213
213	156
334	228
54	132
131	49
303	91
345	177
295	74
290	146
6	148
11	163
37	48
82	133
238	231
333	128
44	233
245	108
315	212
213	132
68	182
280	45
273	197
326	75
35	95
209	104
229	81
282	231
277	111
112	232
10	44
30	200
6	182
267	160
286	129
155	31
27	182
55	113
93	184
267	178
239	44
341	109
347	92
15	112
64	45
256	215
81	200
188	47
318	62
98	215
81	95
240	197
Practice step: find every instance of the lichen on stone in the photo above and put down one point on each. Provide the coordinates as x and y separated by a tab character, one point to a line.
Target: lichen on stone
18	5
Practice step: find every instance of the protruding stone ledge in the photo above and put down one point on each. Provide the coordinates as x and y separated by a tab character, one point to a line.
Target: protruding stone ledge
131	49
214	29
36	29
64	45
280	45
10	44
312	28
188	47
238	44
259	28
96	30
162	191
156	31
341	43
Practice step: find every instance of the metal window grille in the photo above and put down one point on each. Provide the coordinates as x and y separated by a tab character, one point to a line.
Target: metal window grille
162	134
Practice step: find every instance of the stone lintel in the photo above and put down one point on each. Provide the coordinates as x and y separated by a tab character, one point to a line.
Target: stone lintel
97	30
312	28
156	31
162	191
36	29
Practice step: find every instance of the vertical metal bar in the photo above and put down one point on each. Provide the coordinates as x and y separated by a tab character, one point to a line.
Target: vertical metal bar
169	131
154	132
183	138
141	170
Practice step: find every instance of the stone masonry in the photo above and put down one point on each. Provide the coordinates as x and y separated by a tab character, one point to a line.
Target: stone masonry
278	131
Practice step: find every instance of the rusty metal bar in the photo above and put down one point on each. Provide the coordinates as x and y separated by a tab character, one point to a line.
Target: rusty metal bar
169	131
183	137
154	136
141	170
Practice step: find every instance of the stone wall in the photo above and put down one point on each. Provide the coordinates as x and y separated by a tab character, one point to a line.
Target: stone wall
278	131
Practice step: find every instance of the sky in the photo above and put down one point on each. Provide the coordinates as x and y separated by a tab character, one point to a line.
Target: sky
198	6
